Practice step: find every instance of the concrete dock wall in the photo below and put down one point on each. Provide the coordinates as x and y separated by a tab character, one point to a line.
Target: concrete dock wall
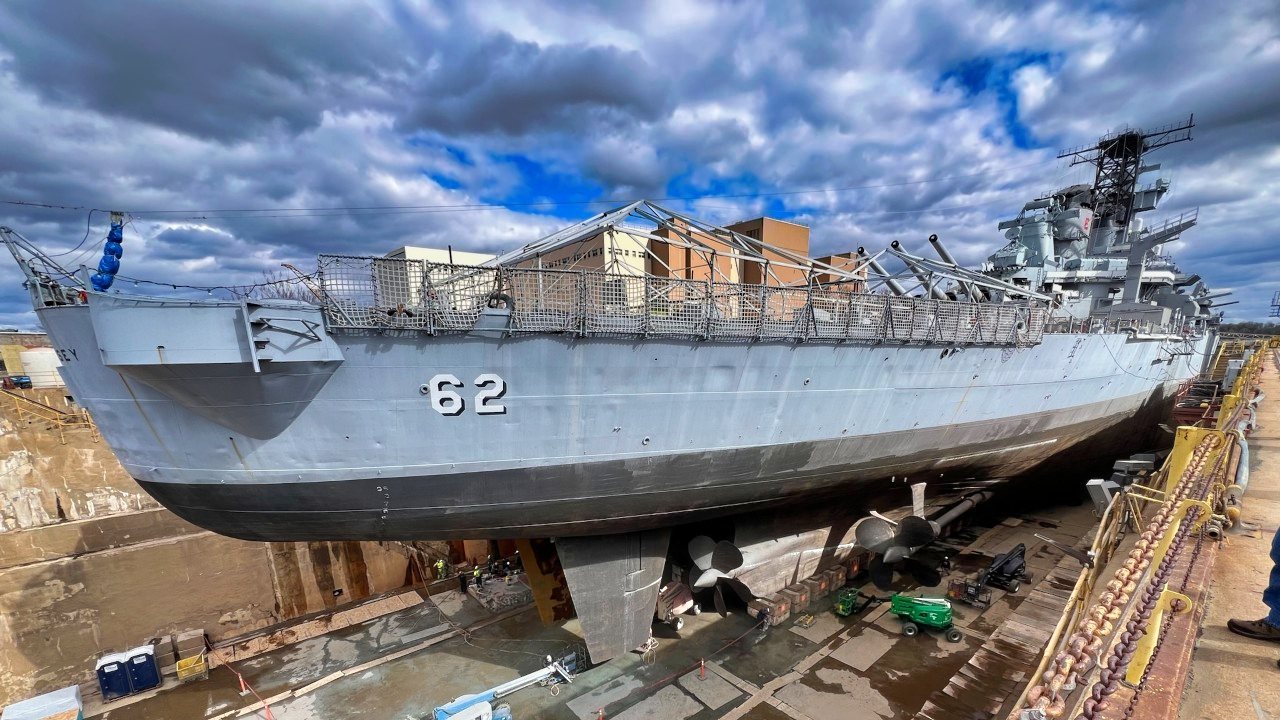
89	564
43	481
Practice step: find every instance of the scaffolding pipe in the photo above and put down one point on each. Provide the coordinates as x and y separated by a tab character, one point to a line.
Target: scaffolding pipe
894	286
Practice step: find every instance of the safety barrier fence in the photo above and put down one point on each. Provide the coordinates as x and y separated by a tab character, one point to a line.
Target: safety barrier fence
381	293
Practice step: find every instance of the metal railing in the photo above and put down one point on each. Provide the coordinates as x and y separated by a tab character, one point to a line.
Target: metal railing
382	293
1114	325
32	411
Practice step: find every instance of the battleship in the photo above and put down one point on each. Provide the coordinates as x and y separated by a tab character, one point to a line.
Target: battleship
635	371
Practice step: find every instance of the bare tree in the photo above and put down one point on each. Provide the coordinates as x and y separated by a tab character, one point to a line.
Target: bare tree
282	285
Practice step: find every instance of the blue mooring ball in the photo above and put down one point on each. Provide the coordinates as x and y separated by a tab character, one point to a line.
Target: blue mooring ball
109	265
101	281
117	233
113	248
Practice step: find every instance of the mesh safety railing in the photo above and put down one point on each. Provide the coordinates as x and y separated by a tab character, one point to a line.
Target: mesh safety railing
380	293
1119	325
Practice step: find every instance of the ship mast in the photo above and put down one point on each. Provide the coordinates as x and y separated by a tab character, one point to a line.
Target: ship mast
1117	159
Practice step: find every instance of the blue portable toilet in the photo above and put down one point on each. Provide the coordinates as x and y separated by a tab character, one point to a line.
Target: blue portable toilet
144	673
113	676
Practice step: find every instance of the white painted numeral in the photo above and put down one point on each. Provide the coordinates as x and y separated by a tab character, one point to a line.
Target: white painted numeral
445	401
497	388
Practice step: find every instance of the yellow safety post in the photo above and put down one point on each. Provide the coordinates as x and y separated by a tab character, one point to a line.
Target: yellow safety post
1155	496
1170	601
1229	404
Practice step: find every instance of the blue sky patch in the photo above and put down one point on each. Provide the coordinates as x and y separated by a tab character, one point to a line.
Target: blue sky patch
993	74
539	182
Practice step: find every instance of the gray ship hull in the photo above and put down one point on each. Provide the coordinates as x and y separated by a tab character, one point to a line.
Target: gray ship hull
333	434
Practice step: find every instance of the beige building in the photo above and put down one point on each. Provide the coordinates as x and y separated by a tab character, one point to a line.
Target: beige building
437	255
611	251
780	234
12	343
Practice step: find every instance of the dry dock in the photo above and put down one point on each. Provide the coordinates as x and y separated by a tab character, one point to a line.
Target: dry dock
398	653
405	663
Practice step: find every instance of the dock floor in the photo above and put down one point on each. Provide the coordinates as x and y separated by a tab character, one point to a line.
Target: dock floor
839	667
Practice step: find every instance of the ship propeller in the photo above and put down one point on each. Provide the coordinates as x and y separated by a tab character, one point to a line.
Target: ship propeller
713	561
894	543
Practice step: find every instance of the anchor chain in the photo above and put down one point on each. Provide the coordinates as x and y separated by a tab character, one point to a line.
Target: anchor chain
1164	627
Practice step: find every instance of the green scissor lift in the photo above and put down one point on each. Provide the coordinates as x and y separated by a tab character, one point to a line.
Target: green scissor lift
917	612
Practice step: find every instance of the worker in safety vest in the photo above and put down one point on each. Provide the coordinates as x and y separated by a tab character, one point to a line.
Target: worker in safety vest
440	569
479	577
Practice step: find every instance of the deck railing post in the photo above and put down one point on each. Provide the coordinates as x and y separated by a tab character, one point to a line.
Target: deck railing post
581	310
707	308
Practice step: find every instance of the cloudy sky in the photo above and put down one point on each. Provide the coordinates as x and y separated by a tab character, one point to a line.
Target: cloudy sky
868	121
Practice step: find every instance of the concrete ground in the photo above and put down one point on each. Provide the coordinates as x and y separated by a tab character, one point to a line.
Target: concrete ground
1234	676
839	667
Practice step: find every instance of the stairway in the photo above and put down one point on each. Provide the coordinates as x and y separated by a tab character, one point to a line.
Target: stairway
33	411
1227	351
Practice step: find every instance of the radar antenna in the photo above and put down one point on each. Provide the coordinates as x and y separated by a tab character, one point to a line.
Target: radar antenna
1118	160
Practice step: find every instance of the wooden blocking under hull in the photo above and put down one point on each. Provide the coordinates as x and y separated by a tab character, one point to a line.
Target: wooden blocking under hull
779	608
189	643
836	577
798	595
819	586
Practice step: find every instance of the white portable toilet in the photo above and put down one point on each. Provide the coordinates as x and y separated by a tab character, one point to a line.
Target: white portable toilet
41	365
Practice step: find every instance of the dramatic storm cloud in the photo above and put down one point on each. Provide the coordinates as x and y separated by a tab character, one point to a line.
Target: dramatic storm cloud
870	122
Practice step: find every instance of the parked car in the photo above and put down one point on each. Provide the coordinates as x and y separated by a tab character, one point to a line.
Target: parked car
18	381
